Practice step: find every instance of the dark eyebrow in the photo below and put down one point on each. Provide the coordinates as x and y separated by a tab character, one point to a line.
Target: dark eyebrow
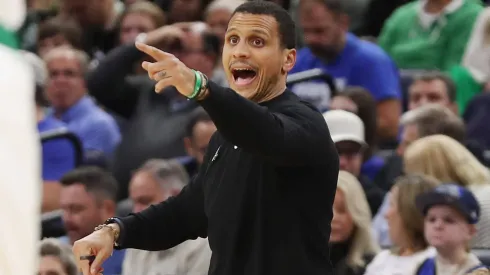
257	31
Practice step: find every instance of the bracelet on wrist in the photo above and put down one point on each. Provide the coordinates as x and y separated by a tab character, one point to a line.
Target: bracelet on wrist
197	85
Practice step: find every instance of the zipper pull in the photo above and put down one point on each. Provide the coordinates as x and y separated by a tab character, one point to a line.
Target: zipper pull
216	154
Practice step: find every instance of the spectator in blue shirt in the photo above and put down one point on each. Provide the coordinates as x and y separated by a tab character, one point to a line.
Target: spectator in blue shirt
67	94
349	60
88	198
58	156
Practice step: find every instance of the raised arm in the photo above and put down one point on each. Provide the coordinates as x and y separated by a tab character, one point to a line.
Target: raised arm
296	136
283	129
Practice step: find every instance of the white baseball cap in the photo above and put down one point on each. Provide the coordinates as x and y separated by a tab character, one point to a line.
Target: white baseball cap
345	126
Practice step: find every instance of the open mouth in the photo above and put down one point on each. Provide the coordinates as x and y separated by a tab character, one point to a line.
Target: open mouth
243	76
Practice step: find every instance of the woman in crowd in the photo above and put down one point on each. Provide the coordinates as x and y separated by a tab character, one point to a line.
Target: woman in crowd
351	239
406	229
447	160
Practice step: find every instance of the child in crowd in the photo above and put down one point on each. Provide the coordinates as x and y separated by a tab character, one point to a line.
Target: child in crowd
450	212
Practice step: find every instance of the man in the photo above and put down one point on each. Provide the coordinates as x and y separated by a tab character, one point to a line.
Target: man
349	60
154	128
199	131
58	156
87	199
19	146
154	182
246	198
66	91
347	131
432	87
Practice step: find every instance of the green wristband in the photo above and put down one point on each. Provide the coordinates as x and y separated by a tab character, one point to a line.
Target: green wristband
197	85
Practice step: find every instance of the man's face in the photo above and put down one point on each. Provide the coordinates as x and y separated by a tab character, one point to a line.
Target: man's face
350	156
218	20
445	228
254	61
81	212
323	30
86	12
144	191
185	10
197	145
192	54
409	135
66	84
425	92
134	24
50	265
49	43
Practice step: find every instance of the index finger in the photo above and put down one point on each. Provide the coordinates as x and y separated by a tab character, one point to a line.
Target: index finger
157	54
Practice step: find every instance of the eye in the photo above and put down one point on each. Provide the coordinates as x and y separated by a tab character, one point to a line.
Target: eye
233	40
257	42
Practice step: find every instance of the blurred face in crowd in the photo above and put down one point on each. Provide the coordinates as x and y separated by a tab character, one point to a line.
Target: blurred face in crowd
343	103
88	12
82	211
350	156
49	43
196	145
66	83
185	10
425	92
324	30
254	60
192	53
50	265
342	223
395	223
218	20
409	135
446	228
133	24
145	190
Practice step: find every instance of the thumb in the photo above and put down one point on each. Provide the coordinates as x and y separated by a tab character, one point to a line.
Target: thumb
97	263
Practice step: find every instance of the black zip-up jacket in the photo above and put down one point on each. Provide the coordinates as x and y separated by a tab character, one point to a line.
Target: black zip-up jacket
263	195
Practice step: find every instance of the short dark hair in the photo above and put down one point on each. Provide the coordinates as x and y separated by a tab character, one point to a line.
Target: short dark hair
334	6
198	115
69	29
55	248
96	181
287	28
437	75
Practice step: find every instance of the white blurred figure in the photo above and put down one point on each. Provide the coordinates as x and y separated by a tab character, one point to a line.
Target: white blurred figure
20	176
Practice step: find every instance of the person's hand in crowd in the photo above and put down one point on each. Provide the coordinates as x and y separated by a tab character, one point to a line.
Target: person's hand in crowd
168	70
99	244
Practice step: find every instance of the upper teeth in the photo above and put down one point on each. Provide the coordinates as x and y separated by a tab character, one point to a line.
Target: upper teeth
242	69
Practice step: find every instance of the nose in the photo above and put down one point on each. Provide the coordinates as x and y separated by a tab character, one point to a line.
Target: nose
343	162
241	51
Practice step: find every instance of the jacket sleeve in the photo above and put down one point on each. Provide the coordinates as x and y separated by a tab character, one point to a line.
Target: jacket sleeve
171	222
297	135
108	82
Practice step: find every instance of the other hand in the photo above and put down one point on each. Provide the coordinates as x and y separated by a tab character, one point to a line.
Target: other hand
168	70
99	244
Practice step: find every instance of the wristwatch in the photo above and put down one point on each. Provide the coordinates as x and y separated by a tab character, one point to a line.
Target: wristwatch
115	233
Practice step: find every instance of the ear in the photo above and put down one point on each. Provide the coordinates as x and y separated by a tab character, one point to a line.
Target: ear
188	146
472	230
109	208
344	21
289	60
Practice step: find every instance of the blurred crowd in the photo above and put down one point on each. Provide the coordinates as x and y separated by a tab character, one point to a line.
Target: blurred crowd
407	107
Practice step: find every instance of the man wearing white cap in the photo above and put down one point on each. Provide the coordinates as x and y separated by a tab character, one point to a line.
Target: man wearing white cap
347	131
